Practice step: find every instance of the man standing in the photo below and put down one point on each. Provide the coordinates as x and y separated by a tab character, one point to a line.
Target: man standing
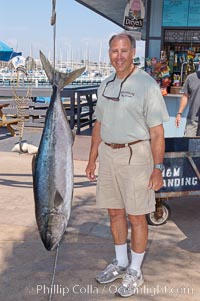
128	137
191	95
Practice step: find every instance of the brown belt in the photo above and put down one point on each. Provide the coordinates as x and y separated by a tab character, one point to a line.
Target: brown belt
118	145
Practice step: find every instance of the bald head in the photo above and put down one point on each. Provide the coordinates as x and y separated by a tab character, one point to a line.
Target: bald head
123	36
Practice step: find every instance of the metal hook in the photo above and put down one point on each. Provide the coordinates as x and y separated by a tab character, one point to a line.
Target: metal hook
53	22
53	17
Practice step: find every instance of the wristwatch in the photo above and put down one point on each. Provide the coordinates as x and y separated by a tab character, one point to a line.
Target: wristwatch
161	167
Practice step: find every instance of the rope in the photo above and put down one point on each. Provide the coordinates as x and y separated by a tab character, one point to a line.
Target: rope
54	272
21	102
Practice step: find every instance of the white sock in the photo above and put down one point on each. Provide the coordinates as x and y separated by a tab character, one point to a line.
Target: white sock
136	261
121	255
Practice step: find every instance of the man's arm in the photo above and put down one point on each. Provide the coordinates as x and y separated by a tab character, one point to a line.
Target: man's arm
158	151
96	139
183	104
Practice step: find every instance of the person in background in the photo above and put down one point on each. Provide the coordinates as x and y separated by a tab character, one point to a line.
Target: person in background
198	129
128	137
191	97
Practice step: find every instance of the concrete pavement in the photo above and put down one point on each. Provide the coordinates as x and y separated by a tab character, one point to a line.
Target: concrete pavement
171	267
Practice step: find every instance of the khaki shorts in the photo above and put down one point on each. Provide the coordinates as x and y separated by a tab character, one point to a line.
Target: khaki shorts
123	185
191	128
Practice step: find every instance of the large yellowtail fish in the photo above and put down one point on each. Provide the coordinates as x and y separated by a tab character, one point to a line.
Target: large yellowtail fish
53	166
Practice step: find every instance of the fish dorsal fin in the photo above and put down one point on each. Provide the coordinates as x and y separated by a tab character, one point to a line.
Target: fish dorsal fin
58	199
56	77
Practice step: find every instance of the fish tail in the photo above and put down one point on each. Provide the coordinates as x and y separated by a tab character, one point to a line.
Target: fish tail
56	77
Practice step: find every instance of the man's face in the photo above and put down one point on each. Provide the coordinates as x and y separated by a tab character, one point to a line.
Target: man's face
121	55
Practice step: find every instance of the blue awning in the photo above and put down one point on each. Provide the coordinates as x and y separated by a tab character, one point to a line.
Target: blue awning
7	53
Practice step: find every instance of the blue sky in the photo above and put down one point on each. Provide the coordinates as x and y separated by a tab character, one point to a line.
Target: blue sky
80	33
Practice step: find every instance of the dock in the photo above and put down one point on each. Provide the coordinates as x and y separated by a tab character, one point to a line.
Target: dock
170	268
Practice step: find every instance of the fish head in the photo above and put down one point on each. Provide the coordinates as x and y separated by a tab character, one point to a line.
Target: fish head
53	230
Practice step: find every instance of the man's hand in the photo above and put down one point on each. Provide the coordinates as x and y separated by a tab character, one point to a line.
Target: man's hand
158	150
96	140
183	104
156	180
178	120
90	169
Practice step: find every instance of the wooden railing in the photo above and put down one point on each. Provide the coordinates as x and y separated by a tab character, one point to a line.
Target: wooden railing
79	103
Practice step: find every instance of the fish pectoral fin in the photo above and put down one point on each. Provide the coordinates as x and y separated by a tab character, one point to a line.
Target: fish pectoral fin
58	199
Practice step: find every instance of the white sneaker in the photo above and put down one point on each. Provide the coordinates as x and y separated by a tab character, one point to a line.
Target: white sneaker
131	281
112	272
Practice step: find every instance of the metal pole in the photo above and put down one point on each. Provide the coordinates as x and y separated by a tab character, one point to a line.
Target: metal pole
53	23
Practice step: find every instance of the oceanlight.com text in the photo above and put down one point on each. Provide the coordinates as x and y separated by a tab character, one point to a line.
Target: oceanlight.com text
90	289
